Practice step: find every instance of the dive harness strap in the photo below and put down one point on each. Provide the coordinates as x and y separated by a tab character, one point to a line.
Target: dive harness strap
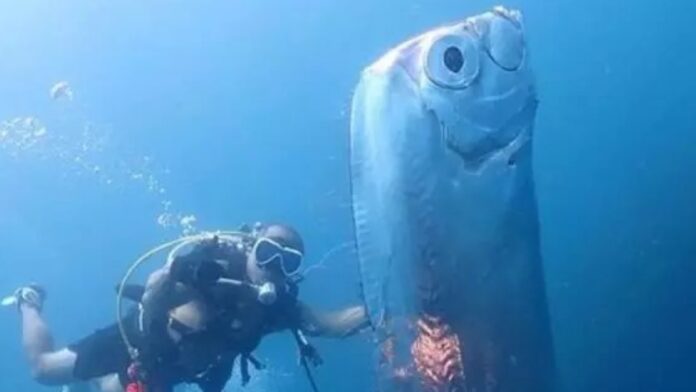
307	354
136	377
245	359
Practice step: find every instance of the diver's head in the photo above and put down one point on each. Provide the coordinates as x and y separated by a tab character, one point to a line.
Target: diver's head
276	256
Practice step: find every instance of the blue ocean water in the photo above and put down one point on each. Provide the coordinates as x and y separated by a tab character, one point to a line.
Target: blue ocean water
237	111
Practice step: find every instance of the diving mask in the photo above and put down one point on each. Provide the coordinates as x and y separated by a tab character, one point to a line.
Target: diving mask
267	251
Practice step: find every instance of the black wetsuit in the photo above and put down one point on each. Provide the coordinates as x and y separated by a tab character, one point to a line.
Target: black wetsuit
103	353
238	327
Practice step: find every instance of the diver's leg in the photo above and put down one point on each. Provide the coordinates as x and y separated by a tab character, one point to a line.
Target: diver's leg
48	367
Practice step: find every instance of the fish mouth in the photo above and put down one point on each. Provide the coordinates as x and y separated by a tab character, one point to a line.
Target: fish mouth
477	157
503	144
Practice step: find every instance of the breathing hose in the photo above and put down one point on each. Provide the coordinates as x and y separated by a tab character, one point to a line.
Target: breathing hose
177	245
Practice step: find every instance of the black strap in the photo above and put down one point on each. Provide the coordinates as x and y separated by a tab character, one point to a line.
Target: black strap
310	376
301	344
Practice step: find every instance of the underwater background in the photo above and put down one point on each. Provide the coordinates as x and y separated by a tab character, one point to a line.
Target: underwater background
183	116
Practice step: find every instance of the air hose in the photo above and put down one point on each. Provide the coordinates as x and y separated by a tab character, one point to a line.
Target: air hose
177	245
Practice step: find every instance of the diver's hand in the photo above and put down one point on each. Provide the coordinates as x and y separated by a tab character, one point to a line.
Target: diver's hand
197	272
309	353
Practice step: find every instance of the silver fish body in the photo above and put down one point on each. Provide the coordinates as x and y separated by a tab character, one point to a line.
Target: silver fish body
445	211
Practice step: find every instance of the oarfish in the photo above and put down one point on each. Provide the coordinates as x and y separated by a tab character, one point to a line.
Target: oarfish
445	212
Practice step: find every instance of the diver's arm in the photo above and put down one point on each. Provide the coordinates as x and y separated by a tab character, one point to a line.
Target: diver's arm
334	324
173	284
162	293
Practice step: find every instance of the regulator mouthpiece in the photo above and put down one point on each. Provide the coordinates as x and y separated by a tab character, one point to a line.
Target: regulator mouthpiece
267	293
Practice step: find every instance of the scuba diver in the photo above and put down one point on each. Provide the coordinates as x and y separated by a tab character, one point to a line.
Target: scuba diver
196	317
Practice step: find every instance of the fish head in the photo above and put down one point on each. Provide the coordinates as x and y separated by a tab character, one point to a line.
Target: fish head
473	86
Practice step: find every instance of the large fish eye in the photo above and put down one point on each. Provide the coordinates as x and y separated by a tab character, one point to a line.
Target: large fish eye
505	42
453	61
